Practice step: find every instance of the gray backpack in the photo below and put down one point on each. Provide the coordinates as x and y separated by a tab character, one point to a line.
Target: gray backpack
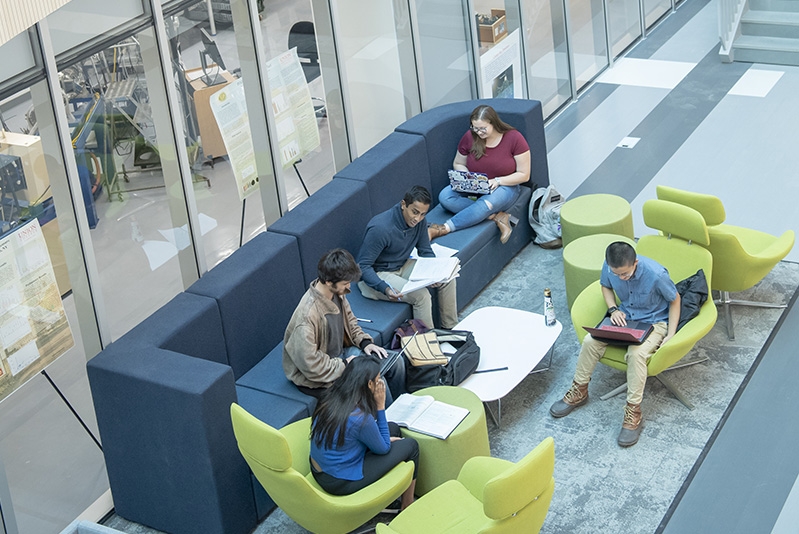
544	216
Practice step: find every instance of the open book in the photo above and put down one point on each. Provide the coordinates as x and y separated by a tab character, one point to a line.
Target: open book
429	271
426	415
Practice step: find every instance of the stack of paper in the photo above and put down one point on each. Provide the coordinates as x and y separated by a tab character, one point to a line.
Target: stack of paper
429	271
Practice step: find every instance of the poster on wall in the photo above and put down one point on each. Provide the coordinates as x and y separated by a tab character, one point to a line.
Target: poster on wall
297	131
34	330
230	111
295	120
501	69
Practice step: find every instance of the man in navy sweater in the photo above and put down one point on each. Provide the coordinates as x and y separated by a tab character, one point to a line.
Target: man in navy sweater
385	264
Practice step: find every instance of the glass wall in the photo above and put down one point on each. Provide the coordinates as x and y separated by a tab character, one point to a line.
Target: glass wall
546	52
137	216
588	39
443	52
204	61
286	26
624	22
377	68
655	9
500	71
51	467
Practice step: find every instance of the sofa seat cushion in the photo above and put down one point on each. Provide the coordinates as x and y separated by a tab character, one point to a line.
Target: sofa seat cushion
385	316
268	376
274	410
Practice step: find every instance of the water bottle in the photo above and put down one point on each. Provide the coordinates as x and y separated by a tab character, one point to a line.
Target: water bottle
549	308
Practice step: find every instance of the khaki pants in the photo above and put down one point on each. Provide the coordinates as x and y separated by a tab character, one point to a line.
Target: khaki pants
637	357
419	299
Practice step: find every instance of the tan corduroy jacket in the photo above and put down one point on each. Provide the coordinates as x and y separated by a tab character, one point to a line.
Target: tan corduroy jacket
305	361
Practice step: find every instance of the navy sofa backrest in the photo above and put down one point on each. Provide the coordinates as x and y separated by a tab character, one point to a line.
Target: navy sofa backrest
442	127
333	217
153	407
256	288
389	169
188	324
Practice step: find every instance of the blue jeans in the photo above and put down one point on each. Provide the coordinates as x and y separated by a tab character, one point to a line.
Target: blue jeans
470	212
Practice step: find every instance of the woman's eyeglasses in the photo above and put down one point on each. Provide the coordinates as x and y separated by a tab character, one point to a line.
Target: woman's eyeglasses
482	129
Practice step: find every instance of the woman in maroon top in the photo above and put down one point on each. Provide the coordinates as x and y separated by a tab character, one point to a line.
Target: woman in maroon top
496	149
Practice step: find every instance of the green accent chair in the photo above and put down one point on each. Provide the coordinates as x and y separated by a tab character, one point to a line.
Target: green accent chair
598	213
742	257
279	459
490	496
678	249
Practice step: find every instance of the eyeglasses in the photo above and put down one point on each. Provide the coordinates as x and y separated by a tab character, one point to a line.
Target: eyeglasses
482	129
626	274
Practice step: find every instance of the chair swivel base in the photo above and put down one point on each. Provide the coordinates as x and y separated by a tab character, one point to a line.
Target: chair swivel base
725	301
668	384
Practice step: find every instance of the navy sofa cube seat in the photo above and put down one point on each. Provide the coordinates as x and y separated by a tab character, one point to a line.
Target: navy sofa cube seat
162	392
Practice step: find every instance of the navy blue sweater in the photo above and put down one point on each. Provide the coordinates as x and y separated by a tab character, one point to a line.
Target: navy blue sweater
387	245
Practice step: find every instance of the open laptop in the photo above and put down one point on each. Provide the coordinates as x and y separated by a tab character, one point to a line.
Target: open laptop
473	183
633	334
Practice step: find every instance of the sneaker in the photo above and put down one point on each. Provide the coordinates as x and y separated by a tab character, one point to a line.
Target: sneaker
393	508
576	396
632	425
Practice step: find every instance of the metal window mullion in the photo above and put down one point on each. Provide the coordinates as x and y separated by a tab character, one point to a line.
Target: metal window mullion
475	41
169	126
68	197
569	50
331	70
252	56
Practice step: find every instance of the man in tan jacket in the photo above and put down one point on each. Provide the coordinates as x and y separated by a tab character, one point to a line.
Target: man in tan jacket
323	334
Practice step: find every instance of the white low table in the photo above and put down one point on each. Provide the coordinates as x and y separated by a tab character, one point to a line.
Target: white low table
510	338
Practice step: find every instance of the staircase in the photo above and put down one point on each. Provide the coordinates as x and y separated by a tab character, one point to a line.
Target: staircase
768	33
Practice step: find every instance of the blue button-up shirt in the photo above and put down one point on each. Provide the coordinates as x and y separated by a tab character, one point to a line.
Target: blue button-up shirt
646	295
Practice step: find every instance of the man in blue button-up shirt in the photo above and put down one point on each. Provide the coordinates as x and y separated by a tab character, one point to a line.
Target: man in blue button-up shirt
647	294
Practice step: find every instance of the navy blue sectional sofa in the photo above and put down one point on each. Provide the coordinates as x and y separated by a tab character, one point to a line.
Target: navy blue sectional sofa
162	392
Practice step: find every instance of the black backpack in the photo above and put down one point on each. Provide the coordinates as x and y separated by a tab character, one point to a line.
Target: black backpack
461	365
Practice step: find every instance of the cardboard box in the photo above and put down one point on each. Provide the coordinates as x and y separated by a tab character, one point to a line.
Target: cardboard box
212	143
493	33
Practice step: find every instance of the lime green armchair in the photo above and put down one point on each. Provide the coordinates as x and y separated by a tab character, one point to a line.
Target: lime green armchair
742	257
279	460
678	249
490	496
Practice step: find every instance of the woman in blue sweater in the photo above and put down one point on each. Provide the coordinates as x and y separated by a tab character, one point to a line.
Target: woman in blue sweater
352	444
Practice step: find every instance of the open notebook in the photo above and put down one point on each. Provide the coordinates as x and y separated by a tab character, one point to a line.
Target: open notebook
426	415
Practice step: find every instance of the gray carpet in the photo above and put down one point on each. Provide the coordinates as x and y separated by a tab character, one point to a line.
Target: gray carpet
601	487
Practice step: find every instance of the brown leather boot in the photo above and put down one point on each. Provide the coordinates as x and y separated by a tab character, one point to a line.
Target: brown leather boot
503	222
576	396
437	230
632	425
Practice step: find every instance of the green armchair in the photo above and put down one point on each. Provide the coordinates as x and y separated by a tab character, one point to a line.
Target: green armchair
279	459
490	496
742	257
678	249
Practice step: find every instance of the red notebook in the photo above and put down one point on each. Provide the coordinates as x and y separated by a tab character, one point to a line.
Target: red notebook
633	334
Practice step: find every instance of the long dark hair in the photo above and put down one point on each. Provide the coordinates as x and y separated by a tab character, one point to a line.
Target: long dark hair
351	391
485	113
